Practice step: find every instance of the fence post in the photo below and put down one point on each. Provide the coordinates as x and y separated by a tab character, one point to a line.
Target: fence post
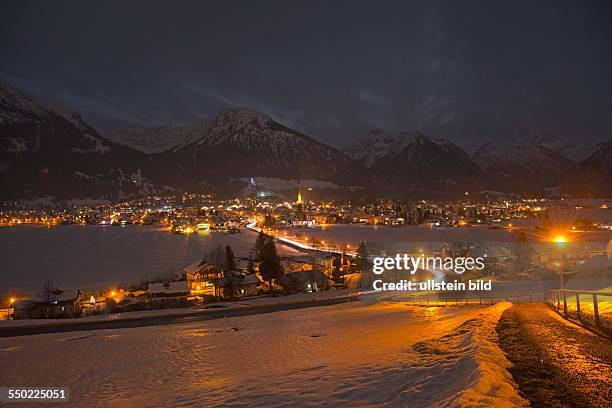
595	309
558	300
578	304
564	303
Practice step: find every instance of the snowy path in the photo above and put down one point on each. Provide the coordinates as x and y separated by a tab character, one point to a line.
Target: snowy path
355	354
557	363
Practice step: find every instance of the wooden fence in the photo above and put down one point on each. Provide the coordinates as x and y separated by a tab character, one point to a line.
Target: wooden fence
561	298
437	300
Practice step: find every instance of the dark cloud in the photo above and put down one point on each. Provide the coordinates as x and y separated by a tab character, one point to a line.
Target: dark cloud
465	71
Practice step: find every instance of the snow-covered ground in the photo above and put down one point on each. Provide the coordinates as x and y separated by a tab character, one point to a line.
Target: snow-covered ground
277	184
366	353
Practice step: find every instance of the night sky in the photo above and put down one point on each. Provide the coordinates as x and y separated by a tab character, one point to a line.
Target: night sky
466	71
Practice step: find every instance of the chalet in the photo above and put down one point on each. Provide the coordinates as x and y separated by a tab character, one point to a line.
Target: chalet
500	259
22	309
310	280
454	249
201	277
49	304
205	278
243	285
169	292
572	254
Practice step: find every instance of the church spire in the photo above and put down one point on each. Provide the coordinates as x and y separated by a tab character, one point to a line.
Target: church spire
299	197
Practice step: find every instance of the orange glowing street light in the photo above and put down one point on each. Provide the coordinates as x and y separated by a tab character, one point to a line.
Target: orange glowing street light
12	300
560	239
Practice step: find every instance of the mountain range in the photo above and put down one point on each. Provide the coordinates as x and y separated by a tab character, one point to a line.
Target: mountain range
48	152
412	160
45	151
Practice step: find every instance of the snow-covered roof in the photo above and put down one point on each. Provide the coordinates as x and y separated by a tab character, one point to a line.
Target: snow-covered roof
250	279
194	268
498	252
596	263
169	287
23	304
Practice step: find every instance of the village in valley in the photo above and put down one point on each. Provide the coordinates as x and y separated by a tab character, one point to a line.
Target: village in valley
532	254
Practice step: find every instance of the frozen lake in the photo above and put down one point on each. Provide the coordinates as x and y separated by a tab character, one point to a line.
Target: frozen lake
77	256
402	238
80	257
354	233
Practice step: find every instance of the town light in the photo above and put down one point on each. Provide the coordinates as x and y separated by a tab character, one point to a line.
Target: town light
12	300
113	293
560	239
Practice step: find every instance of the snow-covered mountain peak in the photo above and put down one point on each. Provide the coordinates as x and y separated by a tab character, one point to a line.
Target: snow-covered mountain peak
16	106
73	117
377	144
375	133
240	117
226	123
413	135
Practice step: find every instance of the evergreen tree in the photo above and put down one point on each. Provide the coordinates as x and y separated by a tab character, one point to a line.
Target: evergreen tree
270	267
230	262
337	275
229	268
362	257
259	248
364	266
250	265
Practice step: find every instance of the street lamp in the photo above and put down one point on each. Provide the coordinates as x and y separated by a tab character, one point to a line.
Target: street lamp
560	240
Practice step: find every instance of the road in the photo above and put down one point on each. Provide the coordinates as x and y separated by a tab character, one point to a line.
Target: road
556	363
210	314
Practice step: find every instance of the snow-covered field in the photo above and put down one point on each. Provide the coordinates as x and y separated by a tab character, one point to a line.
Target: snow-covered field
365	353
83	256
354	233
